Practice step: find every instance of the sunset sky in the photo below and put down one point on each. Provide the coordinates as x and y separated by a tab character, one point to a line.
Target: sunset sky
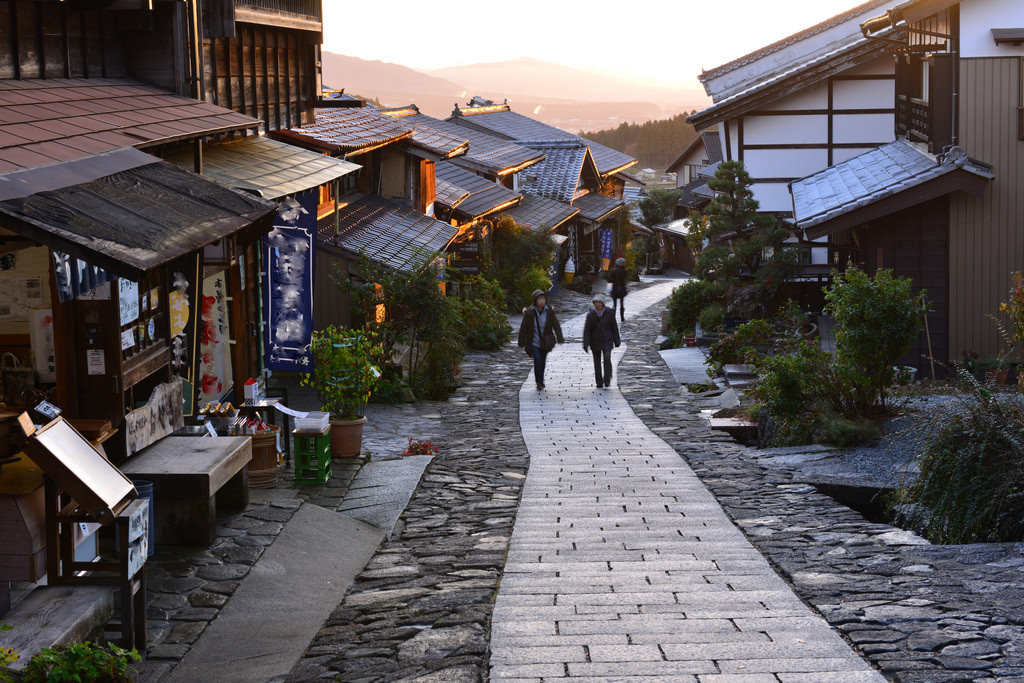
661	40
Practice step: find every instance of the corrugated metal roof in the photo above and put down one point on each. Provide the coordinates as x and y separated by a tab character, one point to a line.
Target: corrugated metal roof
863	180
272	169
132	221
485	196
347	130
541	213
50	121
385	232
558	176
488	153
515	126
596	207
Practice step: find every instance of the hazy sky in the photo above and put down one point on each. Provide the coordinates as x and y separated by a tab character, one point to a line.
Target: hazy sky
662	40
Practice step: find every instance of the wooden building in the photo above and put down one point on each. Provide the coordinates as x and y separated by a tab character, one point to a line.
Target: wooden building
802	104
939	215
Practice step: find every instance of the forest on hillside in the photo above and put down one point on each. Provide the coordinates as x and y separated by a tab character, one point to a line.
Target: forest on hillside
655	144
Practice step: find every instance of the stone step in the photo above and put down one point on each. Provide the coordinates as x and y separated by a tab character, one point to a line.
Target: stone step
56	615
283	601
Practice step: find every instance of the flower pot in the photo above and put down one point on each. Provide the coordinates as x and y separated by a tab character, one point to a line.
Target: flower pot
997	376
347	437
690	341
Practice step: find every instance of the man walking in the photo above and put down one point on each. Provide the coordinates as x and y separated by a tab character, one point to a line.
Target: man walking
618	278
538	334
600	334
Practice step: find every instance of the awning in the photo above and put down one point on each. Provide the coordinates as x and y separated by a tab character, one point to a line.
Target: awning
887	179
385	232
127	221
679	227
266	167
595	207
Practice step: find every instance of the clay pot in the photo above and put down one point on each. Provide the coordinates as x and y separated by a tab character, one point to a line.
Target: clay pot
347	437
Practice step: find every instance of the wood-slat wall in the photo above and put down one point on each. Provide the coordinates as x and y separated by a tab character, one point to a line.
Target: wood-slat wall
986	232
264	72
51	40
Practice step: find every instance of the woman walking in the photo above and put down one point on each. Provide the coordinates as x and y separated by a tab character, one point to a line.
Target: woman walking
619	290
600	334
538	334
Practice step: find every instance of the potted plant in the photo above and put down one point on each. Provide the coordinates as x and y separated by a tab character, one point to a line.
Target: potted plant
344	374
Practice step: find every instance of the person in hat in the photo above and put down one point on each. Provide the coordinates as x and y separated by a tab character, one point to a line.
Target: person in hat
600	334
618	280
539	333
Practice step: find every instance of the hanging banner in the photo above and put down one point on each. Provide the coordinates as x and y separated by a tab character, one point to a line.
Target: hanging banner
215	378
75	277
606	249
289	251
183	289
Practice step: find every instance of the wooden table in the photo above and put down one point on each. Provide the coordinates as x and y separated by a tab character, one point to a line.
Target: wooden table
191	476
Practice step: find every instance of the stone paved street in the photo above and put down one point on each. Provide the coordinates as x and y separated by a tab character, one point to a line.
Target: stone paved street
623	565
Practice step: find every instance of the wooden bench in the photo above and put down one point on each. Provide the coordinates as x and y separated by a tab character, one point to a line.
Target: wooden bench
191	476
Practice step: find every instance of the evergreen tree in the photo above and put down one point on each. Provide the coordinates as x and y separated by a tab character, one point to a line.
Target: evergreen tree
746	250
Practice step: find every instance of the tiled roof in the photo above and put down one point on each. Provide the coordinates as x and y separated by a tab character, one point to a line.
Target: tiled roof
558	176
515	126
128	222
440	142
695	194
272	169
485	196
51	121
596	207
348	130
448	194
712	145
888	170
385	232
541	213
487	153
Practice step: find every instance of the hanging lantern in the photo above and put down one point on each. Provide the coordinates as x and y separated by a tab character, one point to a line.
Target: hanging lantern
570	270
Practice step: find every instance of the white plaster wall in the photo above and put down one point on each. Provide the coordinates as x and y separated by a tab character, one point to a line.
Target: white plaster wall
813	97
784	163
841	155
773	197
882	65
978	17
778	130
864	94
868	128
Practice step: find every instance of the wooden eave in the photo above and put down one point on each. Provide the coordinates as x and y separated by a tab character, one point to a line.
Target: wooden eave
958	180
279	18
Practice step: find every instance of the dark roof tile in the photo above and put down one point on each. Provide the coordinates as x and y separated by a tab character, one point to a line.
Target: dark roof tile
485	196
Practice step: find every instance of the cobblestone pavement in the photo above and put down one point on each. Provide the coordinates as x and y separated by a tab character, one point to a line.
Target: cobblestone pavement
918	612
622	564
421	608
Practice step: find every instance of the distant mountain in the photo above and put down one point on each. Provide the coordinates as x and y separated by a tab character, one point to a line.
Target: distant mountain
571	99
537	78
372	78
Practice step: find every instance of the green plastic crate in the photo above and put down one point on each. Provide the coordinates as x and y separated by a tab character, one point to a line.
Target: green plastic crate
312	457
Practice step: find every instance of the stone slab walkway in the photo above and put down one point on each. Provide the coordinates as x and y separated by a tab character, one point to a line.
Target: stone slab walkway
379	493
622	564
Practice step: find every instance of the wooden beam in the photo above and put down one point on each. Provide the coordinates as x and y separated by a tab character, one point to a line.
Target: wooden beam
278	19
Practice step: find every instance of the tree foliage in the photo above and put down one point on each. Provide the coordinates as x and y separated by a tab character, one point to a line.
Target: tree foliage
659	206
519	259
655	144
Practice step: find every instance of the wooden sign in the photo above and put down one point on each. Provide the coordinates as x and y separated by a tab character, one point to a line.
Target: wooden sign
161	416
99	488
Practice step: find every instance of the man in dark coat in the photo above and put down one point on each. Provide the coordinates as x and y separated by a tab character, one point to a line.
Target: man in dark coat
600	334
618	279
538	334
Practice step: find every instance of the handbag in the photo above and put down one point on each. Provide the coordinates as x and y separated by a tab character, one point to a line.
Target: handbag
15	377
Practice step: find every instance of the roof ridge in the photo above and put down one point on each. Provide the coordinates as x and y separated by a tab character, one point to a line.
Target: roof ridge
791	39
489	109
405	110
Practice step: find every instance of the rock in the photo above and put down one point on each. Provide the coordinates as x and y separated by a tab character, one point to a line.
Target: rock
439	643
383	597
974	648
930	641
223	572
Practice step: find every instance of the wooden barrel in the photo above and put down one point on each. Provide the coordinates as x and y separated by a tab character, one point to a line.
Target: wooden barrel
265	463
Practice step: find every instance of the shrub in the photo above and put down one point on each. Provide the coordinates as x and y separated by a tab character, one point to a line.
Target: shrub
688	300
843	432
745	345
81	663
481	313
520	258
788	391
971	483
711	318
392	386
524	284
344	370
877	320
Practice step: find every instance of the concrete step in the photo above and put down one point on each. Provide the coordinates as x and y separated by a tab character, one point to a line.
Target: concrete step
56	615
283	601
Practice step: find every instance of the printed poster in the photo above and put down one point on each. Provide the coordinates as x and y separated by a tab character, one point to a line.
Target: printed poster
183	308
606	249
214	340
289	252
